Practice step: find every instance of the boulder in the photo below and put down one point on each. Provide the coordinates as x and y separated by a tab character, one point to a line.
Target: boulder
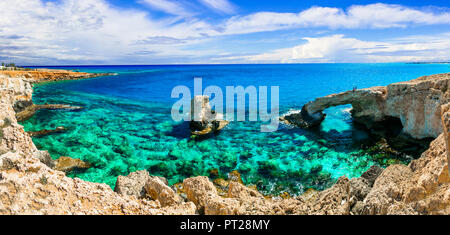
158	190
45	158
199	190
221	206
133	184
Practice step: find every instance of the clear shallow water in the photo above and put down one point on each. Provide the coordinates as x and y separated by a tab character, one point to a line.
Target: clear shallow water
126	124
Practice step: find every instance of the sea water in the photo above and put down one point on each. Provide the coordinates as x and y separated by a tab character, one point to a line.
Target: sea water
126	124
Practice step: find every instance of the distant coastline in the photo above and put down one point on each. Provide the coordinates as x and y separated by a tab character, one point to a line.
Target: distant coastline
443	62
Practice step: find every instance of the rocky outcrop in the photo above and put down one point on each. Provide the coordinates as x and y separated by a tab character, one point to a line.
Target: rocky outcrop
18	91
423	187
29	185
46	75
133	184
204	120
416	104
157	190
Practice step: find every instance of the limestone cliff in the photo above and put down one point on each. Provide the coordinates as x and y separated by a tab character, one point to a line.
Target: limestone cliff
416	103
28	184
44	75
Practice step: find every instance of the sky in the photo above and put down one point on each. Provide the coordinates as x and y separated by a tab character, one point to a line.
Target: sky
116	32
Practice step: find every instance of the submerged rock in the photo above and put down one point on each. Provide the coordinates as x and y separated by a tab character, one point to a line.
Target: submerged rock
29	111
235	176
68	164
45	132
303	119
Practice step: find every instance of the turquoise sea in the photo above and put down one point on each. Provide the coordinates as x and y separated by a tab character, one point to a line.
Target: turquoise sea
126	124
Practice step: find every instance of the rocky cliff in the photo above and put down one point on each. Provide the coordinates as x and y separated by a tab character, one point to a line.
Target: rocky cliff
29	183
416	104
47	75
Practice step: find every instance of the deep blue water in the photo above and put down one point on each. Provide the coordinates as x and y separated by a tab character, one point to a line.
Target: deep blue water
127	126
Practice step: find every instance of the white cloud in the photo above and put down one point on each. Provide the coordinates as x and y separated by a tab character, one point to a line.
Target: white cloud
220	5
168	7
338	48
96	32
38	32
359	16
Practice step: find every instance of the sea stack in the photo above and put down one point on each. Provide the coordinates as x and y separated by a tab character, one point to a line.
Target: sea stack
204	120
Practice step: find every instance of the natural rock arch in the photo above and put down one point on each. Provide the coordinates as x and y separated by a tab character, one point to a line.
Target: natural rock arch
417	103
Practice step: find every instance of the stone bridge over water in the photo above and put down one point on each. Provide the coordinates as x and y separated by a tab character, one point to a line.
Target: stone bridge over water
416	103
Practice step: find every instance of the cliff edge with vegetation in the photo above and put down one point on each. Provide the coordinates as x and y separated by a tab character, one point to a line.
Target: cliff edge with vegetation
30	182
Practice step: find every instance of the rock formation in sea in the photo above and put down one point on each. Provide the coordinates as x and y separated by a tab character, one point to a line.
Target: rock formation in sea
204	120
30	184
416	104
45	132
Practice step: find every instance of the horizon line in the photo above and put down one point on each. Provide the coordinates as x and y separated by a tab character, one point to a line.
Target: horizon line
74	65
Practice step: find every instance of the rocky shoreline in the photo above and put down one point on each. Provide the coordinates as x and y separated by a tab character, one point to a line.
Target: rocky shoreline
33	183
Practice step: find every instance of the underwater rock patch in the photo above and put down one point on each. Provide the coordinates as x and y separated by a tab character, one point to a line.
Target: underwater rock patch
45	132
68	164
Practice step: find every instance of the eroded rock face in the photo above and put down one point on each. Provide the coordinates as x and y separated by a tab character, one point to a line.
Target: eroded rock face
423	187
19	91
133	184
388	190
416	103
28	186
158	190
198	190
372	174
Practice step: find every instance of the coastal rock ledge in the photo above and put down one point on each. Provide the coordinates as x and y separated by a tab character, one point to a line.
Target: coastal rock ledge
30	185
416	104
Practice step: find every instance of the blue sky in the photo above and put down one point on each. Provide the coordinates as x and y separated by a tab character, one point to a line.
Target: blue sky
63	32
